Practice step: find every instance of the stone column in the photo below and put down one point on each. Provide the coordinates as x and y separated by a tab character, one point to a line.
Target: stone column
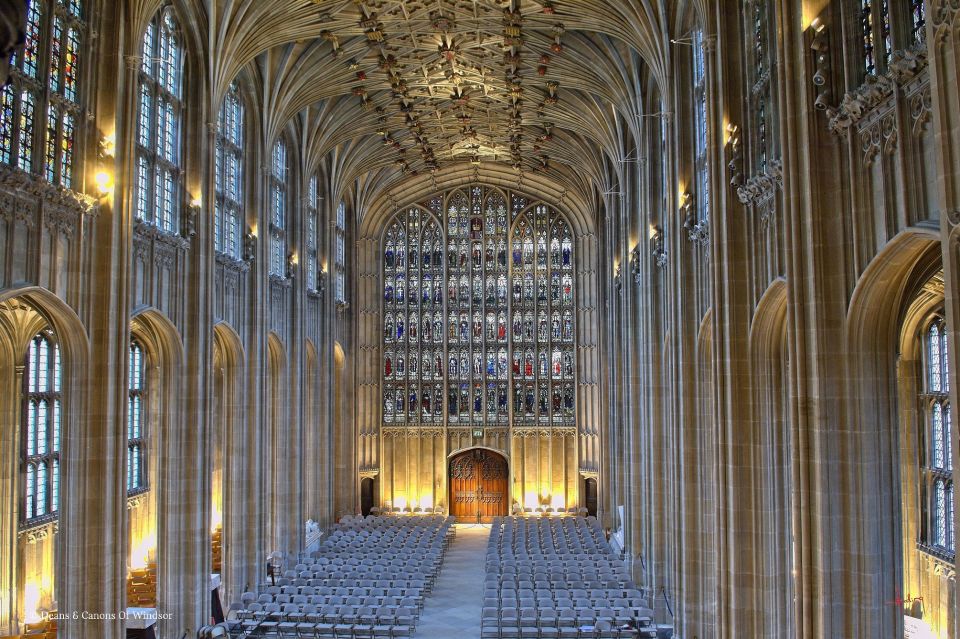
93	563
943	42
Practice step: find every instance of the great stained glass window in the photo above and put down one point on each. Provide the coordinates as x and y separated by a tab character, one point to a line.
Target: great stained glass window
478	312
159	122
278	210
701	165
137	419
40	428
938	458
875	32
228	214
39	109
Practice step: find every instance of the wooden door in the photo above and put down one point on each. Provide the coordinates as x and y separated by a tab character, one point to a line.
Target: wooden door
366	496
590	496
478	486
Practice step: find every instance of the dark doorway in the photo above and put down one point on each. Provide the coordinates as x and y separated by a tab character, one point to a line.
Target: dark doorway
366	495
478	485
590	496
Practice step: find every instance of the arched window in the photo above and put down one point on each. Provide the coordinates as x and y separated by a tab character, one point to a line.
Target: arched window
340	259
875	34
313	240
228	215
478	312
937	462
41	419
39	109
278	210
761	78
159	125
137	419
701	165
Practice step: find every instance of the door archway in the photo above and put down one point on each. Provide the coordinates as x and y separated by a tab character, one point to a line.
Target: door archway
478	480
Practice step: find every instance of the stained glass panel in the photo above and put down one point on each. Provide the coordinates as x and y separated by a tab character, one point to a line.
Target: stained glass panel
41	423
229	175
876	36
339	257
136	417
158	125
30	57
700	128
7	123
25	141
938	465
40	104
278	209
918	15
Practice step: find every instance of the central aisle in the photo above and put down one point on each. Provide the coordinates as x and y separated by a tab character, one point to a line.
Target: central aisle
453	609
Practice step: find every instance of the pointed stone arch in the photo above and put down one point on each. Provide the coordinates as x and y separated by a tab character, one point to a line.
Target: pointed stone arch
23	312
275	441
231	457
771	440
869	451
156	515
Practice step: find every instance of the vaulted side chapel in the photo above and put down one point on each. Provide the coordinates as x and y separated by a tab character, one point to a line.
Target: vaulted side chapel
507	319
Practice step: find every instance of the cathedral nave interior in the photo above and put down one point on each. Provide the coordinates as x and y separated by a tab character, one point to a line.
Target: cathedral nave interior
501	318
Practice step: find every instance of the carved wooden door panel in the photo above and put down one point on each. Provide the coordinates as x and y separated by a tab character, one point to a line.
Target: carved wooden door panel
478	486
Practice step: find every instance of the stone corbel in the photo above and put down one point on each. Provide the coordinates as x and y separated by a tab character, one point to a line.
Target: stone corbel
658	247
37	534
698	231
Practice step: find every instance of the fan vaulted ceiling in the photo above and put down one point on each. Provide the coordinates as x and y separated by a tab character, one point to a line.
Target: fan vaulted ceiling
399	88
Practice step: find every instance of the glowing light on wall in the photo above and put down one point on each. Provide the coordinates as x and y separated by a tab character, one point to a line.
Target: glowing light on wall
811	9
531	500
917	629
216	517
143	551
31	602
104	182
108	144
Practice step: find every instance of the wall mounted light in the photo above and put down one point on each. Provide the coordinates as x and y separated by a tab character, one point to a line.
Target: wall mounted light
820	45
250	244
104	182
189	224
735	155
291	265
322	280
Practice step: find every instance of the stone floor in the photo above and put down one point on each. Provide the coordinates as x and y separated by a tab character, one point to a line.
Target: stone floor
453	610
